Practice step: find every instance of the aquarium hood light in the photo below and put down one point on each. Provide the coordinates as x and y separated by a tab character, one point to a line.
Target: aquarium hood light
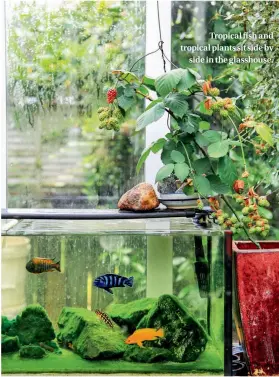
93	214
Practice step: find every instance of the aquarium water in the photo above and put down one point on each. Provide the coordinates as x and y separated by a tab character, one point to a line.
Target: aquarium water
60	322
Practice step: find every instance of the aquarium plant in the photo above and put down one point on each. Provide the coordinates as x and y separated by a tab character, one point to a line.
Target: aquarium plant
204	129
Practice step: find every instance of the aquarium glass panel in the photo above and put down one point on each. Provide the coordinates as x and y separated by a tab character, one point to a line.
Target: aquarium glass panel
112	296
60	55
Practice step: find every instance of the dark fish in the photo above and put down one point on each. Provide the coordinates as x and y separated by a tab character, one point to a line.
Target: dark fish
111	281
104	317
39	265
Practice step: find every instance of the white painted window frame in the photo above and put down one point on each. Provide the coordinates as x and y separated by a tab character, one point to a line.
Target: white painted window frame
3	185
154	68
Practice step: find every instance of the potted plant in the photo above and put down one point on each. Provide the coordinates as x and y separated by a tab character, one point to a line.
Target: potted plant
196	152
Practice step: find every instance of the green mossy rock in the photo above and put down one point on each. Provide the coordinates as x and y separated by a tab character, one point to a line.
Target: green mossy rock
146	355
6	324
32	352
130	314
184	337
9	343
91	337
32	326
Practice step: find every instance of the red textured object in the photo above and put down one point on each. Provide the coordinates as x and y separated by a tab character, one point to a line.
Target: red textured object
257	283
111	95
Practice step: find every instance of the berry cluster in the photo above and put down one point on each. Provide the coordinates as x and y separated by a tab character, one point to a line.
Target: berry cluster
110	118
222	105
261	148
227	222
207	89
251	216
111	95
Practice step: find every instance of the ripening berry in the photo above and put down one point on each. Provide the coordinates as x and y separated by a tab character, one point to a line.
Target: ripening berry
101	109
111	95
251	209
238	186
246	220
266	227
117	114
224	113
245	211
103	116
230	108
261	203
220	220
258	229
225	215
233	219
264	233
214	92
252	230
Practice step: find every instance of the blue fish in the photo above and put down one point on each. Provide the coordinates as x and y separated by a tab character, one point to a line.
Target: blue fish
111	281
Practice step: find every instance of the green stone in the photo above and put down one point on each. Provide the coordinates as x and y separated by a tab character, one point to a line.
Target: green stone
90	336
32	326
129	315
184	337
146	355
32	352
9	343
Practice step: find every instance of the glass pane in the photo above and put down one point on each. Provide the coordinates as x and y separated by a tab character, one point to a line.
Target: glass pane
59	58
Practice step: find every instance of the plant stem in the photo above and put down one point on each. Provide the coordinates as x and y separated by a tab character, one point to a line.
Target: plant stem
236	215
240	140
189	162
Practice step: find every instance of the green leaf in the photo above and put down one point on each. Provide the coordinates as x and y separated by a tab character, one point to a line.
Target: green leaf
126	102
150	116
177	103
234	143
167	82
203	110
176	156
265	213
149	82
189	123
154	102
201	140
164	172
196	74
218	149
187	80
217	185
142	159
158	145
265	133
127	76
181	171
154	147
202	185
227	171
142	89
212	136
129	91
203	125
201	166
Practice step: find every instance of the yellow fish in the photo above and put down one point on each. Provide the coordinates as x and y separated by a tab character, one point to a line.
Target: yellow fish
141	335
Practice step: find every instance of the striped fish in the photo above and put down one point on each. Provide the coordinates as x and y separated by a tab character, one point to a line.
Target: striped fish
39	265
104	317
112	281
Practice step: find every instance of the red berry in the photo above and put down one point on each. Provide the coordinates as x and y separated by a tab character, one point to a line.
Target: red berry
111	95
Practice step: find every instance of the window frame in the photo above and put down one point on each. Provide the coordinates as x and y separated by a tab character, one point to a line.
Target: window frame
153	68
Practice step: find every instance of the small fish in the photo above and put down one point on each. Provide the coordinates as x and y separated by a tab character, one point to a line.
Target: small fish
104	317
141	335
111	281
39	265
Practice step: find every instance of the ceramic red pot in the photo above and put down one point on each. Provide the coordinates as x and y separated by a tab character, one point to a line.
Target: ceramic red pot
257	304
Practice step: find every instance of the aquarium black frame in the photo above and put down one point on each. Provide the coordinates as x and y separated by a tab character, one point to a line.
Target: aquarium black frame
199	216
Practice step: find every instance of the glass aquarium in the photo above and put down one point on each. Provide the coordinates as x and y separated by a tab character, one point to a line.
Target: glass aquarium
135	295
